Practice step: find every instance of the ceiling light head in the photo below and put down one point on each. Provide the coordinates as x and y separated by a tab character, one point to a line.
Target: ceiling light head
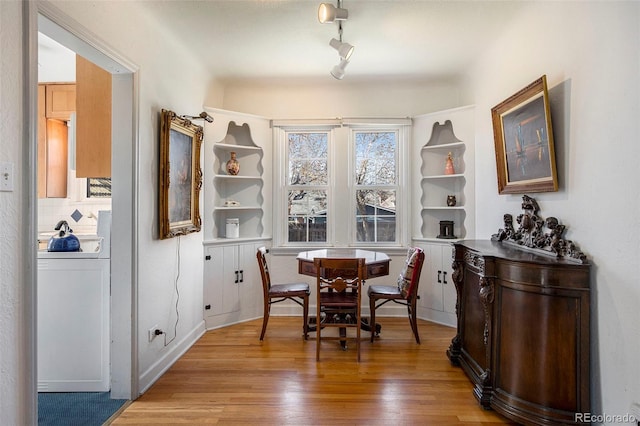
328	13
345	50
338	71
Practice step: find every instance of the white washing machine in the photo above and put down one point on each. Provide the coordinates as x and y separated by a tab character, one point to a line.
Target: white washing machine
74	315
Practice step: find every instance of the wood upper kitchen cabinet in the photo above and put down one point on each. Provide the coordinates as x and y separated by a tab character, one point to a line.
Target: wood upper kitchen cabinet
93	120
56	103
60	101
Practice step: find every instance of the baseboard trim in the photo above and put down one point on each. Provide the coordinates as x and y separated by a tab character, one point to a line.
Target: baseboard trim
158	368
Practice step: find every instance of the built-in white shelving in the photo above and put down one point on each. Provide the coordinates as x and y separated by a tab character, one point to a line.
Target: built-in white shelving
435	137
240	196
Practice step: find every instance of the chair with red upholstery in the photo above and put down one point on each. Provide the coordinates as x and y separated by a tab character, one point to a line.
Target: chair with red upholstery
404	293
275	293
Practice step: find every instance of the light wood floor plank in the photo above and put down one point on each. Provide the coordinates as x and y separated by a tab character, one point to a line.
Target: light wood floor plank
229	377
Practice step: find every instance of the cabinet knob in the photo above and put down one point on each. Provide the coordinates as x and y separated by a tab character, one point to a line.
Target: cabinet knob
444	277
241	276
439	272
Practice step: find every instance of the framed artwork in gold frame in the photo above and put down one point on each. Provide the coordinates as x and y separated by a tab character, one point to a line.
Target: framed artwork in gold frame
180	176
523	137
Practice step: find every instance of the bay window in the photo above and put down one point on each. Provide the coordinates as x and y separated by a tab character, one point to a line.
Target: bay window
340	184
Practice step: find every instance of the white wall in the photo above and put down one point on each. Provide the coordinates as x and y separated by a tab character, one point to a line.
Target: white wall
169	78
341	98
590	54
16	364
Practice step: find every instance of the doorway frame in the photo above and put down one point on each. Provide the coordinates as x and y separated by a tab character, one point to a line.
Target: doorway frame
124	241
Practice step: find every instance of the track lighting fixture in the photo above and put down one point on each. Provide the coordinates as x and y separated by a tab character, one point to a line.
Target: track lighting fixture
328	13
203	115
344	49
338	70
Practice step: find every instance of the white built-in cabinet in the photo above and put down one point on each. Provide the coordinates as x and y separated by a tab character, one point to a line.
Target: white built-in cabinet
232	285
434	137
437	293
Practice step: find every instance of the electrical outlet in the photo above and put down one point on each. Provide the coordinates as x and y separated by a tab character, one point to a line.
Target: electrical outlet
152	332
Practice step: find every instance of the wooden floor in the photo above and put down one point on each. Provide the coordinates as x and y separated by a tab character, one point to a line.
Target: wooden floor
229	377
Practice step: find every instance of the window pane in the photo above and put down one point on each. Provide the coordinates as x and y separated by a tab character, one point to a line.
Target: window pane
375	158
307	218
368	200
307	158
375	215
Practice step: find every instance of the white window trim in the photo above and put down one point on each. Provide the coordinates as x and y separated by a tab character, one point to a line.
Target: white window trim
280	181
280	162
402	174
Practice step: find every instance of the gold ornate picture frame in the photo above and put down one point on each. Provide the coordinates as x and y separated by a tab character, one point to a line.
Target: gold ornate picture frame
523	137
180	176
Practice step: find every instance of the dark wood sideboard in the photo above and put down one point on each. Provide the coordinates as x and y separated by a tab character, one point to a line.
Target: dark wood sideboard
523	331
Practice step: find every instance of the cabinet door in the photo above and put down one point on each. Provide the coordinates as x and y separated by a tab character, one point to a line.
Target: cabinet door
93	120
56	159
437	291
42	143
431	284
232	279
222	279
60	101
52	146
213	264
449	295
251	285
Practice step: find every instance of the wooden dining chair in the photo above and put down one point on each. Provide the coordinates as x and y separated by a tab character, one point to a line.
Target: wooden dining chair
339	295
275	293
404	293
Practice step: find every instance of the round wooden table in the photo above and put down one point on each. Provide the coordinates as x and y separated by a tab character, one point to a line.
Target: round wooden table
377	265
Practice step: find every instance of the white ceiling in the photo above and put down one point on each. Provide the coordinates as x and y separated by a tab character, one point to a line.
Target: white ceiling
258	39
243	40
56	63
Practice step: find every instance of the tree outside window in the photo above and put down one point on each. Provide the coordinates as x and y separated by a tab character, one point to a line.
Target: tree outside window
375	185
307	183
341	183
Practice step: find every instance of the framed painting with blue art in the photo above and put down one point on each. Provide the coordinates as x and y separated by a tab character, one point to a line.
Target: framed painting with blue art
523	137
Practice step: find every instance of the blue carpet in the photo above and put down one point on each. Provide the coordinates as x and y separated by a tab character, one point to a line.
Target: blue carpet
76	408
